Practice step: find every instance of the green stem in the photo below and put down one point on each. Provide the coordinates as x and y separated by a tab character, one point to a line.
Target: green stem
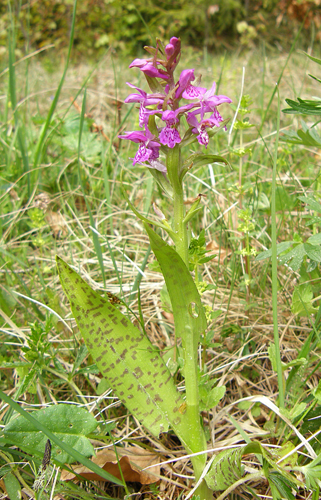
173	170
197	441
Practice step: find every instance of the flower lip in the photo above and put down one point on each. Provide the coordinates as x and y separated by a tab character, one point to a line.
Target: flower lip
192	92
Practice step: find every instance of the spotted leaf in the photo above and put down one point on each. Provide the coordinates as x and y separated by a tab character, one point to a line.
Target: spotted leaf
125	356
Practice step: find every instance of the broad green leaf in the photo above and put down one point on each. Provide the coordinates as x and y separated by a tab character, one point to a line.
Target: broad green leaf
125	356
54	439
302	300
313	251
190	322
281	247
12	486
68	422
225	469
315	239
181	288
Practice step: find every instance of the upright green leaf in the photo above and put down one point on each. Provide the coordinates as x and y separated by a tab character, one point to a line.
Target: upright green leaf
189	315
125	356
190	322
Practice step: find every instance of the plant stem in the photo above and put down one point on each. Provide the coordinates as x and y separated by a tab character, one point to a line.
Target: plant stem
173	169
197	440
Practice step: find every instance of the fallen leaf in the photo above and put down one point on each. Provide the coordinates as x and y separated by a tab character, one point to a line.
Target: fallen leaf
214	248
131	460
57	224
168	316
13	194
42	201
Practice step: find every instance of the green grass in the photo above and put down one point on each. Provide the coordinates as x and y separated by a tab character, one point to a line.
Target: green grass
62	195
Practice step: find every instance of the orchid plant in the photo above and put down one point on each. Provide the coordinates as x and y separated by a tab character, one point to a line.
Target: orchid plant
175	114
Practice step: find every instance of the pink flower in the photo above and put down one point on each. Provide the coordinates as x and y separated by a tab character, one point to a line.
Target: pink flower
209	100
148	148
143	97
169	135
200	127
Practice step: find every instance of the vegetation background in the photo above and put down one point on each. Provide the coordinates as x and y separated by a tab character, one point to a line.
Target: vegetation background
126	26
60	193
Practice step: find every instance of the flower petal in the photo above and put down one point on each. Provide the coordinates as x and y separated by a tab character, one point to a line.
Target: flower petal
169	136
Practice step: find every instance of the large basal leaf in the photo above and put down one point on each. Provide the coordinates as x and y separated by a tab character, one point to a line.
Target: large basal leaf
125	357
68	422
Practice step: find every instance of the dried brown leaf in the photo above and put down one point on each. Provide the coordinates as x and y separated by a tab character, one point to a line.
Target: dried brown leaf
214	248
131	460
57	224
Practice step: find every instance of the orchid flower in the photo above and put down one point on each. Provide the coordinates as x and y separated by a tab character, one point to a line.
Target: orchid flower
200	127
148	149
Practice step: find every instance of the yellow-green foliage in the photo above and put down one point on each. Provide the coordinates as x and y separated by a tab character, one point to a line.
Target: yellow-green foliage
127	25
